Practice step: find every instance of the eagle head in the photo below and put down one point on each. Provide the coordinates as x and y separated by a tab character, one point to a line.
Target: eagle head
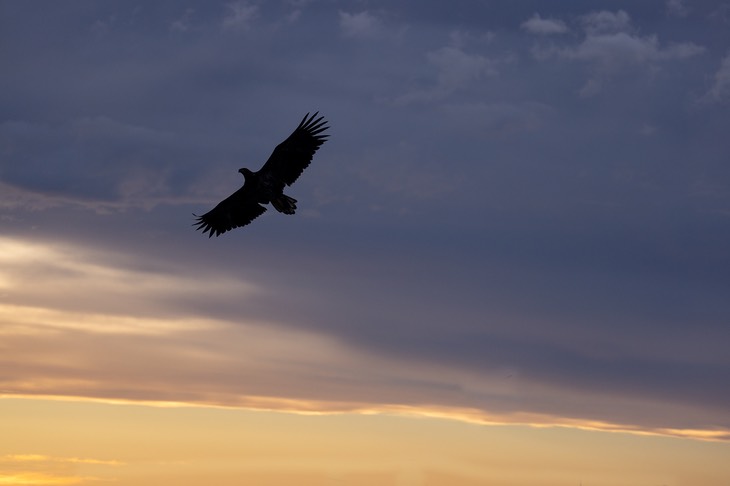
246	172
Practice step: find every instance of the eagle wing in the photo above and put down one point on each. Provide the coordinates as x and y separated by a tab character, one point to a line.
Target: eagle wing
293	155
238	209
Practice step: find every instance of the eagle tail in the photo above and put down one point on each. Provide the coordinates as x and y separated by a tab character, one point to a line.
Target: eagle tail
285	204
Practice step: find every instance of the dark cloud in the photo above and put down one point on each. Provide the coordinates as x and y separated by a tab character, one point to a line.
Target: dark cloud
531	188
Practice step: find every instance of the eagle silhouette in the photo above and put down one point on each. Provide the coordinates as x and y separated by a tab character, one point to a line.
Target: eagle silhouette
285	165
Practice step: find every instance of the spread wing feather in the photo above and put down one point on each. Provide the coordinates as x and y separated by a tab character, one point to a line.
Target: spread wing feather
294	154
238	209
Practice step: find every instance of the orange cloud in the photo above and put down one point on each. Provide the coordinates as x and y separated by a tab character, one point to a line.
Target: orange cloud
34	478
39	469
43	458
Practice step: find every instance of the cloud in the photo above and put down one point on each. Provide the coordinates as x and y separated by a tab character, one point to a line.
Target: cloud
410	177
229	348
612	45
455	70
612	51
541	26
80	272
99	163
497	120
38	469
609	54
605	22
41	479
680	51
137	191
677	8
68	460
183	23
558	242
459	38
362	25
240	15
220	348
720	89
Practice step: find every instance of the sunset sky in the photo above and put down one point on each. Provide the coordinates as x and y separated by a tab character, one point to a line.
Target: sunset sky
509	266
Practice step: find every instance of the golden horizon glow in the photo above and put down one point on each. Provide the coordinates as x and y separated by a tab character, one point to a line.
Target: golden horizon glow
196	446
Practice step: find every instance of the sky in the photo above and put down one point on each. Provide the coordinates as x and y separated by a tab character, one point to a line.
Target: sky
509	264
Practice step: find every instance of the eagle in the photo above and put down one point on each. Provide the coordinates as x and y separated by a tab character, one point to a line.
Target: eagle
284	166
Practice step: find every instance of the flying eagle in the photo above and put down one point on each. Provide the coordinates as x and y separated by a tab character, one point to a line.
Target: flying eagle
285	165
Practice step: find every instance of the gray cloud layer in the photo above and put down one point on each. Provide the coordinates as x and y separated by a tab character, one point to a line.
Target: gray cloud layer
526	190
